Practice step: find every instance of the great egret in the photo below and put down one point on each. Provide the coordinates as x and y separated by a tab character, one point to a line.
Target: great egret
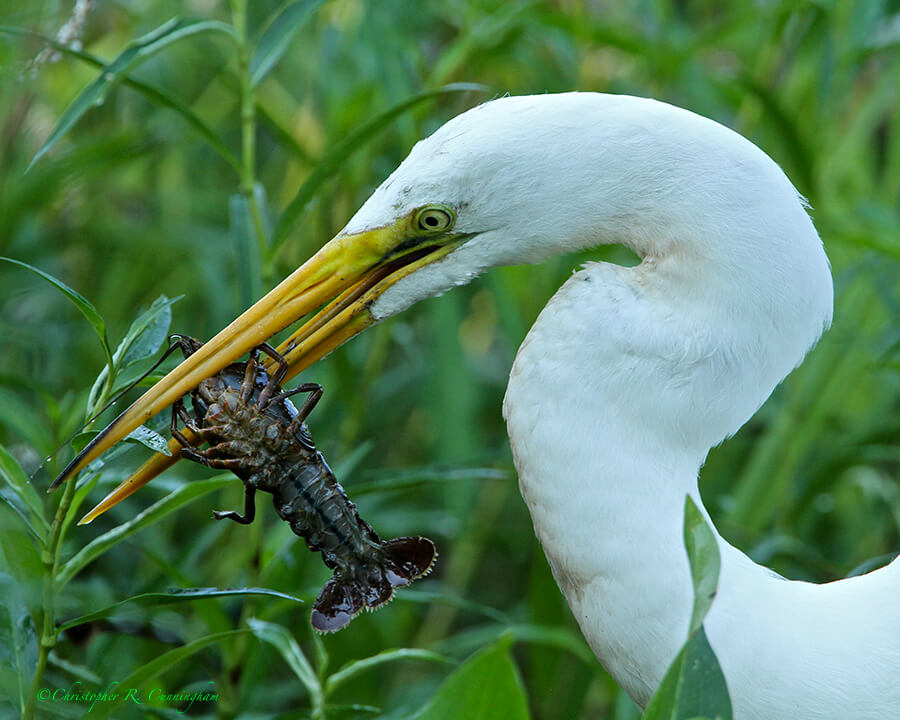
627	379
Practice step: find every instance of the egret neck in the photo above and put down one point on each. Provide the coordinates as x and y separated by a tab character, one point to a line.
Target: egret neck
616	395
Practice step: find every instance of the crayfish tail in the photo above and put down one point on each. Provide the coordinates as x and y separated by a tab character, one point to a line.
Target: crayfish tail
346	594
409	558
338	603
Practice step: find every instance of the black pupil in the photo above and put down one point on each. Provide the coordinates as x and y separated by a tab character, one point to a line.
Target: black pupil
431	221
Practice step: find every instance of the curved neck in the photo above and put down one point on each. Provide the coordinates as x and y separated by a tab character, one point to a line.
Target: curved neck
606	485
608	515
610	411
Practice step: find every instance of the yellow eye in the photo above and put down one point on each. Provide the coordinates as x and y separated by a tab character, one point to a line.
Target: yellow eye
435	218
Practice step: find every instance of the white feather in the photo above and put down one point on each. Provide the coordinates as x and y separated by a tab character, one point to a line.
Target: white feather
630	375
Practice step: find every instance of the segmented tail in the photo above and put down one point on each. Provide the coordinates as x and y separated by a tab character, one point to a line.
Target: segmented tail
371	585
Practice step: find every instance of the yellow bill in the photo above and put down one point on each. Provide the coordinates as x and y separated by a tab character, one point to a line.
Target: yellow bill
351	271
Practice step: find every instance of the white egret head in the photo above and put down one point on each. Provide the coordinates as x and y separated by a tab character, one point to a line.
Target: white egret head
529	177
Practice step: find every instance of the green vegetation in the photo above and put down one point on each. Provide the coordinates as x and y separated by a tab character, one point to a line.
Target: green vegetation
219	147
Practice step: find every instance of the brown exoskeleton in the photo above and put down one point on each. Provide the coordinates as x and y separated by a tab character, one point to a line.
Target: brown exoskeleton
254	430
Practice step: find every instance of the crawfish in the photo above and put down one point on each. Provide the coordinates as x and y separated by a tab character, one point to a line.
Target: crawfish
254	430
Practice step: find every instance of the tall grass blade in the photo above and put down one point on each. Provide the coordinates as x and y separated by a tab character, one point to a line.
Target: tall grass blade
277	36
137	51
243	237
281	639
145	673
150	93
173	597
156	512
357	667
85	307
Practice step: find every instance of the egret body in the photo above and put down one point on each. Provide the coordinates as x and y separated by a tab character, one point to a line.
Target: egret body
628	377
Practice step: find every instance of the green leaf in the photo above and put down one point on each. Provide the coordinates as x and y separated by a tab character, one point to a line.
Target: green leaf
142	339
703	555
321	659
478	40
144	674
80	441
797	149
282	640
282	136
170	598
18	481
156	512
485	687
18	641
147	333
14	502
20	556
86	309
23	419
463	641
248	251
356	667
555	636
150	438
329	164
142	435
428	597
278	35
87	481
406	479
693	686
331	710
79	671
150	93
867	566
130	379
135	53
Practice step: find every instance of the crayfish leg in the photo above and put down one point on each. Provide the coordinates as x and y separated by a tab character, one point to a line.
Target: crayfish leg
277	378
249	382
315	393
187	344
249	509
234	449
179	411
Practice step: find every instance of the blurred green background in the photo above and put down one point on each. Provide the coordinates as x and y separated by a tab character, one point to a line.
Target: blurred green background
135	201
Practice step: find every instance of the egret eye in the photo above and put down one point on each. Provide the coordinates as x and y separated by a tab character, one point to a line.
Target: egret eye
435	218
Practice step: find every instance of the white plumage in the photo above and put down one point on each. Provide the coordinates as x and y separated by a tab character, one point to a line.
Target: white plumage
627	379
630	375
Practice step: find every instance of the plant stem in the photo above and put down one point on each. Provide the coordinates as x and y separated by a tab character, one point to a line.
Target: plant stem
248	123
50	560
318	710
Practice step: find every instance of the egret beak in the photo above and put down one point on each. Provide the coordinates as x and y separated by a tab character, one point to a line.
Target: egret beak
352	270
